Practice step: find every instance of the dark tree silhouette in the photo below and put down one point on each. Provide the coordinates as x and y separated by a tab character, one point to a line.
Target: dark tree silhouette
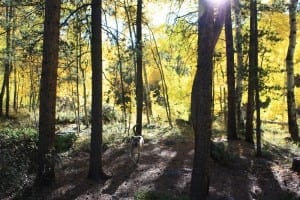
95	166
45	170
209	28
231	120
5	89
139	68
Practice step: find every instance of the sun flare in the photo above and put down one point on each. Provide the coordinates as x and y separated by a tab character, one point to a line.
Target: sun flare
217	2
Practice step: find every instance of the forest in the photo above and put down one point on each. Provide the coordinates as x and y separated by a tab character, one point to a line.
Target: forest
149	100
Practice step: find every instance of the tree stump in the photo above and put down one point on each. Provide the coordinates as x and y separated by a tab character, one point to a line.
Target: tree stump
296	164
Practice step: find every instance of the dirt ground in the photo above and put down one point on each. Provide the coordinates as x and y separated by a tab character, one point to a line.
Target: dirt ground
166	165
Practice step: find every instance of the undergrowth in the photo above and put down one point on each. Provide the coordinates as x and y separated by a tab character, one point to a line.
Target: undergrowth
17	149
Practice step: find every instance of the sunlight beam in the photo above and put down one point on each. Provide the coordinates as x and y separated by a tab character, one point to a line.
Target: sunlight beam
217	2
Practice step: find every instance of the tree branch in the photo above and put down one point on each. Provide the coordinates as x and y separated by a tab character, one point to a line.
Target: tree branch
65	22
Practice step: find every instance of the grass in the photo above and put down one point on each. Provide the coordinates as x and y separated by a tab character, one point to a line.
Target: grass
277	145
63	142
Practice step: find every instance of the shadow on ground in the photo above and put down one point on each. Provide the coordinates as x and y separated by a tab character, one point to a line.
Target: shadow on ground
165	167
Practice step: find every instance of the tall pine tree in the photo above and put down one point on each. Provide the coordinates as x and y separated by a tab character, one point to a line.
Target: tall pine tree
45	170
95	166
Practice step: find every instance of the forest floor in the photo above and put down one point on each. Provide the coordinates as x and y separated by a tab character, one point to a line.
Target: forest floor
164	172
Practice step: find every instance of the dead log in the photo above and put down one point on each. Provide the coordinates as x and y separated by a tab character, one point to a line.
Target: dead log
296	164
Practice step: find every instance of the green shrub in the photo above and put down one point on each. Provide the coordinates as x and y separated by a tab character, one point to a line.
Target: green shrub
17	149
109	113
219	152
64	141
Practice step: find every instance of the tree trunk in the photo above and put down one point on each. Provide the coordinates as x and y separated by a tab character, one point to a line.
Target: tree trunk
78	67
253	59
147	97
15	100
250	110
7	62
251	83
13	67
131	34
239	75
8	65
292	118
139	69
45	173
120	67
231	121
7	73
32	84
2	94
209	29
86	119
157	59
95	166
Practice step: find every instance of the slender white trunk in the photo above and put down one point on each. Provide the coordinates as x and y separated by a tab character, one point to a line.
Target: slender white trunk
239	76
292	118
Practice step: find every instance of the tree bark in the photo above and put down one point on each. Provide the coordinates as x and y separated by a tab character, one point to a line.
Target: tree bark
253	59
209	29
139	69
292	117
45	173
95	166
231	120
